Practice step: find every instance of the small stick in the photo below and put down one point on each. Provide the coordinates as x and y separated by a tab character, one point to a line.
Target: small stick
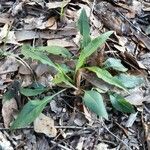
59	145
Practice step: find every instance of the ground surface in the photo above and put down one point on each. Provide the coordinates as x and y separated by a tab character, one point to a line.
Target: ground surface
72	126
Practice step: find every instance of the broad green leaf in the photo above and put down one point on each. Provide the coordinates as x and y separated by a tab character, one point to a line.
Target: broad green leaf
36	85
30	111
66	68
94	101
115	64
106	76
61	78
29	52
130	81
120	103
55	50
84	28
8	95
91	48
13	91
31	92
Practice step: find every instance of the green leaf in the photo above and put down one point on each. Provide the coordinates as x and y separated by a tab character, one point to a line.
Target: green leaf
120	104
31	92
55	50
130	81
91	48
29	52
31	111
66	68
84	28
106	76
94	101
9	95
115	64
62	78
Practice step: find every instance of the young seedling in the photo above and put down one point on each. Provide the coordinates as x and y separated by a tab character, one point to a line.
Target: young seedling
91	98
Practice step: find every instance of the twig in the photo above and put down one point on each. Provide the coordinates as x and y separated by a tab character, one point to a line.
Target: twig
106	141
25	128
70	127
131	23
128	148
104	125
59	145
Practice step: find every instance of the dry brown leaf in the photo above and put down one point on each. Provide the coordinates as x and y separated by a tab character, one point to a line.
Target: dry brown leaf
145	60
60	42
147	99
24	70
96	22
87	9
41	69
136	97
35	2
46	80
120	48
143	40
26	80
146	127
44	124
80	143
134	9
103	146
52	5
4	143
87	114
4	31
7	36
10	65
131	120
8	111
5	18
42	143
51	23
30	34
17	7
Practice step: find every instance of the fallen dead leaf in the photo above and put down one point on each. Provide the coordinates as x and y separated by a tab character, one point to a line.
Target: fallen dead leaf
5	18
26	80
4	143
60	42
8	36
87	114
41	69
146	126
103	146
24	70
10	65
46	80
8	111
52	5
4	31
80	143
17	7
30	34
51	23
131	119
44	124
136	97
79	119
145	60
